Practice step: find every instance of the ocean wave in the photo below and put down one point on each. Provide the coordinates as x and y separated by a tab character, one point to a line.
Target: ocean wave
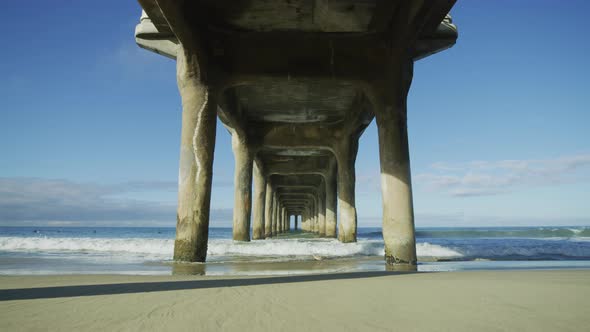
163	248
525	232
151	249
426	249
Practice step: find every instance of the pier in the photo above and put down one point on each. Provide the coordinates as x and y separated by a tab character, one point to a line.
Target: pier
295	82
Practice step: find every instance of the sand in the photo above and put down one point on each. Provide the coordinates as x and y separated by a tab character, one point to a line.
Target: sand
370	301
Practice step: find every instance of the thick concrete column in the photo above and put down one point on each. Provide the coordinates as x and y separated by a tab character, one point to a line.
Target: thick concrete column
259	203
285	221
275	214
242	188
281	221
197	143
322	212
304	221
316	211
295	221
396	184
288	225
331	204
268	210
346	155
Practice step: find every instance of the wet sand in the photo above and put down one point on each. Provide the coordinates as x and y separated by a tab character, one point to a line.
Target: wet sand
369	301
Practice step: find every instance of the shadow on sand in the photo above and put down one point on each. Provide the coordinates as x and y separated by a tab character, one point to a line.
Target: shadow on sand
146	287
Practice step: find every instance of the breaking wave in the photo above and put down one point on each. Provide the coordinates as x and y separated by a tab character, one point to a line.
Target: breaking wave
152	249
163	248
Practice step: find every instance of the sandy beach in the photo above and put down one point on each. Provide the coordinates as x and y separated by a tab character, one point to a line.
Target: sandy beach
370	301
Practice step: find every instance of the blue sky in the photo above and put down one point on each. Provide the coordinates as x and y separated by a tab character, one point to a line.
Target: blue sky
499	124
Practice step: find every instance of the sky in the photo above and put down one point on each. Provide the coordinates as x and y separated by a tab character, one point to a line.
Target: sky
499	124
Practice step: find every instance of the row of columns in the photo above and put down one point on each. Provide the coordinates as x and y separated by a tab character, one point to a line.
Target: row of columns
319	209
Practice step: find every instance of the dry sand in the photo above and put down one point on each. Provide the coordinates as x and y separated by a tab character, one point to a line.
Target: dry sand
370	301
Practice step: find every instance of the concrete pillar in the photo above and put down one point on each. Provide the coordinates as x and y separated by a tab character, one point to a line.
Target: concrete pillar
314	214
316	210
331	204
295	222
287	221
284	220
268	210
322	209
197	143
346	155
275	214
281	222
242	188
304	221
259	203
396	184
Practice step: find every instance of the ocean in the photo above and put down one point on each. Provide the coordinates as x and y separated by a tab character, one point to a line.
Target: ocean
148	251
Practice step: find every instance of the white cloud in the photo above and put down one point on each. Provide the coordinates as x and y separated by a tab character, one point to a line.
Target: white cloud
62	202
480	178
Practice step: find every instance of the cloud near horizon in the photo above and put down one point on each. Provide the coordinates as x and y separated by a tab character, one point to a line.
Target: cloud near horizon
481	178
55	202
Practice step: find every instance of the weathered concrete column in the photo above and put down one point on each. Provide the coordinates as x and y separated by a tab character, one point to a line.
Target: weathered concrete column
197	143
258	226
268	210
331	204
346	155
242	188
284	220
295	221
304	221
316	211
322	209
275	214
281	222
287	222
396	184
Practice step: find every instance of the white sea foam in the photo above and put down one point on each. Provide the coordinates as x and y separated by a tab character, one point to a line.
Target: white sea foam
433	250
163	248
281	249
129	245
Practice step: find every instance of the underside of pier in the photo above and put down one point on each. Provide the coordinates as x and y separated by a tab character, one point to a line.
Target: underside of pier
295	82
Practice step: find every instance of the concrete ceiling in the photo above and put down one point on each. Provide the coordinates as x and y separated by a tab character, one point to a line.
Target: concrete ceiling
296	101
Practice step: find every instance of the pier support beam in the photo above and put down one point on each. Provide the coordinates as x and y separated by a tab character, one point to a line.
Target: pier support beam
322	210
268	210
197	143
396	184
285	220
346	156
259	203
281	223
331	206
275	214
242	188
316	214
